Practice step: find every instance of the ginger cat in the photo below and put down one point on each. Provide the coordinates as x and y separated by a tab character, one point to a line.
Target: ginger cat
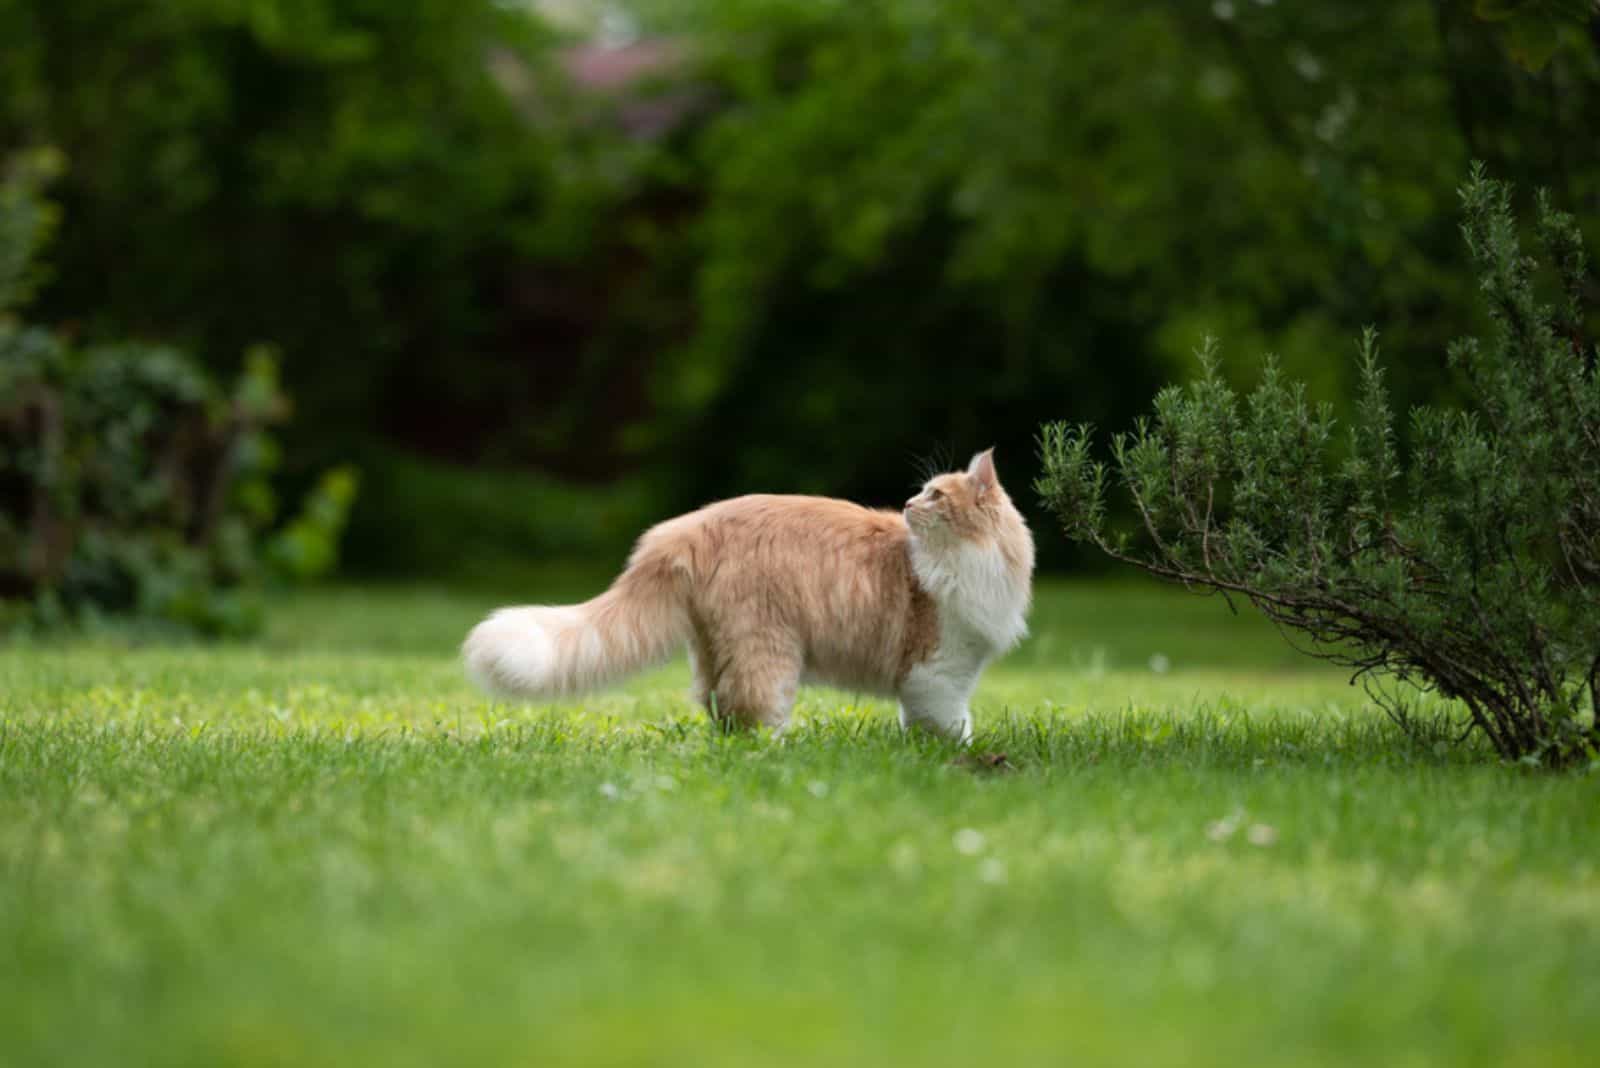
770	591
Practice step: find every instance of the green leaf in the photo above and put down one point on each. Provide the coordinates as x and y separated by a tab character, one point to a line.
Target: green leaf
1496	10
1532	41
1533	29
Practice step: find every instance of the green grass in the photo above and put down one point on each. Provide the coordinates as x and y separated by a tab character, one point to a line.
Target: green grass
326	849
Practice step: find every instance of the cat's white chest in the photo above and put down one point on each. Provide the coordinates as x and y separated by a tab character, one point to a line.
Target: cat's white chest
982	613
983	605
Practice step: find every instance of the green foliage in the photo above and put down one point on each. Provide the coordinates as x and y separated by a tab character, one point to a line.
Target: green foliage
130	484
1534	28
990	214
881	228
26	221
308	545
993	211
1472	566
350	180
431	520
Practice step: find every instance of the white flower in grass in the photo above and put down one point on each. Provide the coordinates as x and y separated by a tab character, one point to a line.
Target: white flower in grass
1223	829
992	871
1262	834
817	788
968	842
609	790
1160	664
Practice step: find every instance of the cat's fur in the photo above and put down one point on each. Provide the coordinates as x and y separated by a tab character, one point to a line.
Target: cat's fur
769	591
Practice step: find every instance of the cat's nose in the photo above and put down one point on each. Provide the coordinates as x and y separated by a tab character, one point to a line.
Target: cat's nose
910	501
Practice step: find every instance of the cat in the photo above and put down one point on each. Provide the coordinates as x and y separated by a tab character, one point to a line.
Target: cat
769	591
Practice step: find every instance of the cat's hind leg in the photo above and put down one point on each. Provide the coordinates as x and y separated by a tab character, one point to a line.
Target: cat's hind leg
752	680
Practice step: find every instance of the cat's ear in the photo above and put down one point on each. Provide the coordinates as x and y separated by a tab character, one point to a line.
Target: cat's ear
981	472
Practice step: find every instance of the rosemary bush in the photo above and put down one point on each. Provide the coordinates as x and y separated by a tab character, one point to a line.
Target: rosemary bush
1466	564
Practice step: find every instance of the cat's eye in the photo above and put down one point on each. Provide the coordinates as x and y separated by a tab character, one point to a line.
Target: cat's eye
935	494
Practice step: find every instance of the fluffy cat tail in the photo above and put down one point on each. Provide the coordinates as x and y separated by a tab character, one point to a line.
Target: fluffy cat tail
558	651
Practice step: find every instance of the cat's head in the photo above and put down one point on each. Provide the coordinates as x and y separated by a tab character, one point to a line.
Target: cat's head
967	508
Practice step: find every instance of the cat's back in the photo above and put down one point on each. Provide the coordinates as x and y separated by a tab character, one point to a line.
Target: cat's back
762	513
779	529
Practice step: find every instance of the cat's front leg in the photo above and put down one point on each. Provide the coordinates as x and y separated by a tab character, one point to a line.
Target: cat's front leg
935	698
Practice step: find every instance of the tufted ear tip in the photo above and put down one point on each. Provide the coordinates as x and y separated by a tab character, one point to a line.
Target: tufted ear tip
982	471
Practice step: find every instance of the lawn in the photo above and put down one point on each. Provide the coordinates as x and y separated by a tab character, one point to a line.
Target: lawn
325	848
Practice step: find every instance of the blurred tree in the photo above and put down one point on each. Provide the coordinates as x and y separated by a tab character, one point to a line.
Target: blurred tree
838	235
345	178
973	213
1533	29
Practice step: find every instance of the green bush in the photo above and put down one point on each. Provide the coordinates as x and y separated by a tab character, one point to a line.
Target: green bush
423	518
1471	566
130	483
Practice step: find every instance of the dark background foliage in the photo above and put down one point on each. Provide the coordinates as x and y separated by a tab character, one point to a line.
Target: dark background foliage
549	271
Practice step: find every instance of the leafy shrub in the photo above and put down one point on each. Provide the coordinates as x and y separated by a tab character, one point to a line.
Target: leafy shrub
130	484
469	524
1470	566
